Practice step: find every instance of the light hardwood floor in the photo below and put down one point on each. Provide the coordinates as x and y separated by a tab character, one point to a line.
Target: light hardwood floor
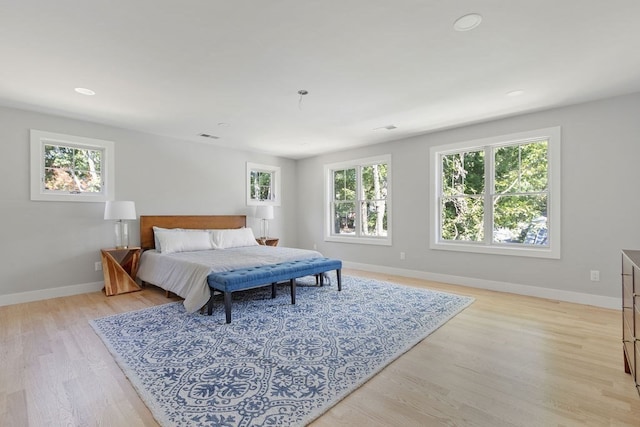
506	360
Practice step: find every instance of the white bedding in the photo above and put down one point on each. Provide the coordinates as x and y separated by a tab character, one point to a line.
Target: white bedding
185	273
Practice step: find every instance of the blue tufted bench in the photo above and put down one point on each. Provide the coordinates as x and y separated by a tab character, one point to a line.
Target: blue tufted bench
228	282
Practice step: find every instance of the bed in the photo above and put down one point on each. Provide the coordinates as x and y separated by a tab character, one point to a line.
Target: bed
184	271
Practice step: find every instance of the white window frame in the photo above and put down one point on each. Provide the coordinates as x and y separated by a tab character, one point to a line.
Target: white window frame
553	136
38	140
329	235
275	184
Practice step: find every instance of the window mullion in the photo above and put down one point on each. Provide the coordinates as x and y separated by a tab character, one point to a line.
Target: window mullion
439	185
489	189
359	198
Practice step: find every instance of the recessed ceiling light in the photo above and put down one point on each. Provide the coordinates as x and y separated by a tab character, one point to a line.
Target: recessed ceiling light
515	93
84	91
467	22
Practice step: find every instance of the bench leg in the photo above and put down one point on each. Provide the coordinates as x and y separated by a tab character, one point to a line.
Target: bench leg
227	306
321	279
210	305
339	278
273	290
293	290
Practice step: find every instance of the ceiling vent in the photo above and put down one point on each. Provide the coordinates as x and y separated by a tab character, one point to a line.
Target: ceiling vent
206	135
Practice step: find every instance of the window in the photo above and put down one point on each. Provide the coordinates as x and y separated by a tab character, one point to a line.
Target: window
359	201
498	195
263	185
70	168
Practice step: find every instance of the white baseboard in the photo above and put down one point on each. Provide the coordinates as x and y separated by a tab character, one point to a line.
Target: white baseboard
534	291
64	291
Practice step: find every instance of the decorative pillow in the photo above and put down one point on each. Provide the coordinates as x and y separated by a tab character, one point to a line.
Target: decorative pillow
233	238
183	241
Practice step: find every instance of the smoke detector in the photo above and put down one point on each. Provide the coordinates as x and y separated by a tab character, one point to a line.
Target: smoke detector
467	22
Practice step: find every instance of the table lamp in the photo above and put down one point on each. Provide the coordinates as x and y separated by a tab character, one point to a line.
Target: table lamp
121	212
265	213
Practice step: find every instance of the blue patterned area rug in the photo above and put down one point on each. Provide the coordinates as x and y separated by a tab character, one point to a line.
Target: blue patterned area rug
275	363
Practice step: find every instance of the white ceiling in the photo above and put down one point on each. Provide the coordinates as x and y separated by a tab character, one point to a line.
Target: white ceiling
180	68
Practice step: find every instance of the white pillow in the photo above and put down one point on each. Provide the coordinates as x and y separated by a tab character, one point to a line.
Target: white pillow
183	241
156	241
157	244
233	238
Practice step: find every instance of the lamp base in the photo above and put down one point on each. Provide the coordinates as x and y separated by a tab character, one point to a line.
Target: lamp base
265	229
122	234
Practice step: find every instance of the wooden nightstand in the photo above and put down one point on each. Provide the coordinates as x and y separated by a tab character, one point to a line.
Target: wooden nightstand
120	267
268	241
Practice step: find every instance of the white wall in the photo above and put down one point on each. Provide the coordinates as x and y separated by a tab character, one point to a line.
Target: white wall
600	206
51	245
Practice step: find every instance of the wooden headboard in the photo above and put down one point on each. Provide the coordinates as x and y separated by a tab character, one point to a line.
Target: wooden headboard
147	222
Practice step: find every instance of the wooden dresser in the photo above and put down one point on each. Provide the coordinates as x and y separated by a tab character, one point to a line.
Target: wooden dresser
631	314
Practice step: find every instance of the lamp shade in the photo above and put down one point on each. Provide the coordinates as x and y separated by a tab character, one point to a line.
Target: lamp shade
264	212
117	210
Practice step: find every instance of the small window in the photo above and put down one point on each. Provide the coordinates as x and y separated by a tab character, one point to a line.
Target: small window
359	201
498	195
263	185
70	168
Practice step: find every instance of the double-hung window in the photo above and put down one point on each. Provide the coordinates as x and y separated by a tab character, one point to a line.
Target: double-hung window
498	195
358	204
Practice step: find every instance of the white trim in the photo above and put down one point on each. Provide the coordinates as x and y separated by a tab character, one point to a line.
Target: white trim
328	193
534	291
39	138
527	251
380	241
553	136
275	185
384	158
492	285
44	294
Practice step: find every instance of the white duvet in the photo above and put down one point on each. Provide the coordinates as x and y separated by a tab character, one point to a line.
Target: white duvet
185	273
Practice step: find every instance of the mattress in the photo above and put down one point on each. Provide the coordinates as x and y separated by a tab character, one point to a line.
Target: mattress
185	273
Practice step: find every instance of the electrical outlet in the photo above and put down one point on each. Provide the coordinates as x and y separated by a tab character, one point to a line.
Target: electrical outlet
402	255
595	276
98	266
315	247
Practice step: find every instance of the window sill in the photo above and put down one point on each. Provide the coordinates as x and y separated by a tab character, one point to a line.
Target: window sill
376	241
550	252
